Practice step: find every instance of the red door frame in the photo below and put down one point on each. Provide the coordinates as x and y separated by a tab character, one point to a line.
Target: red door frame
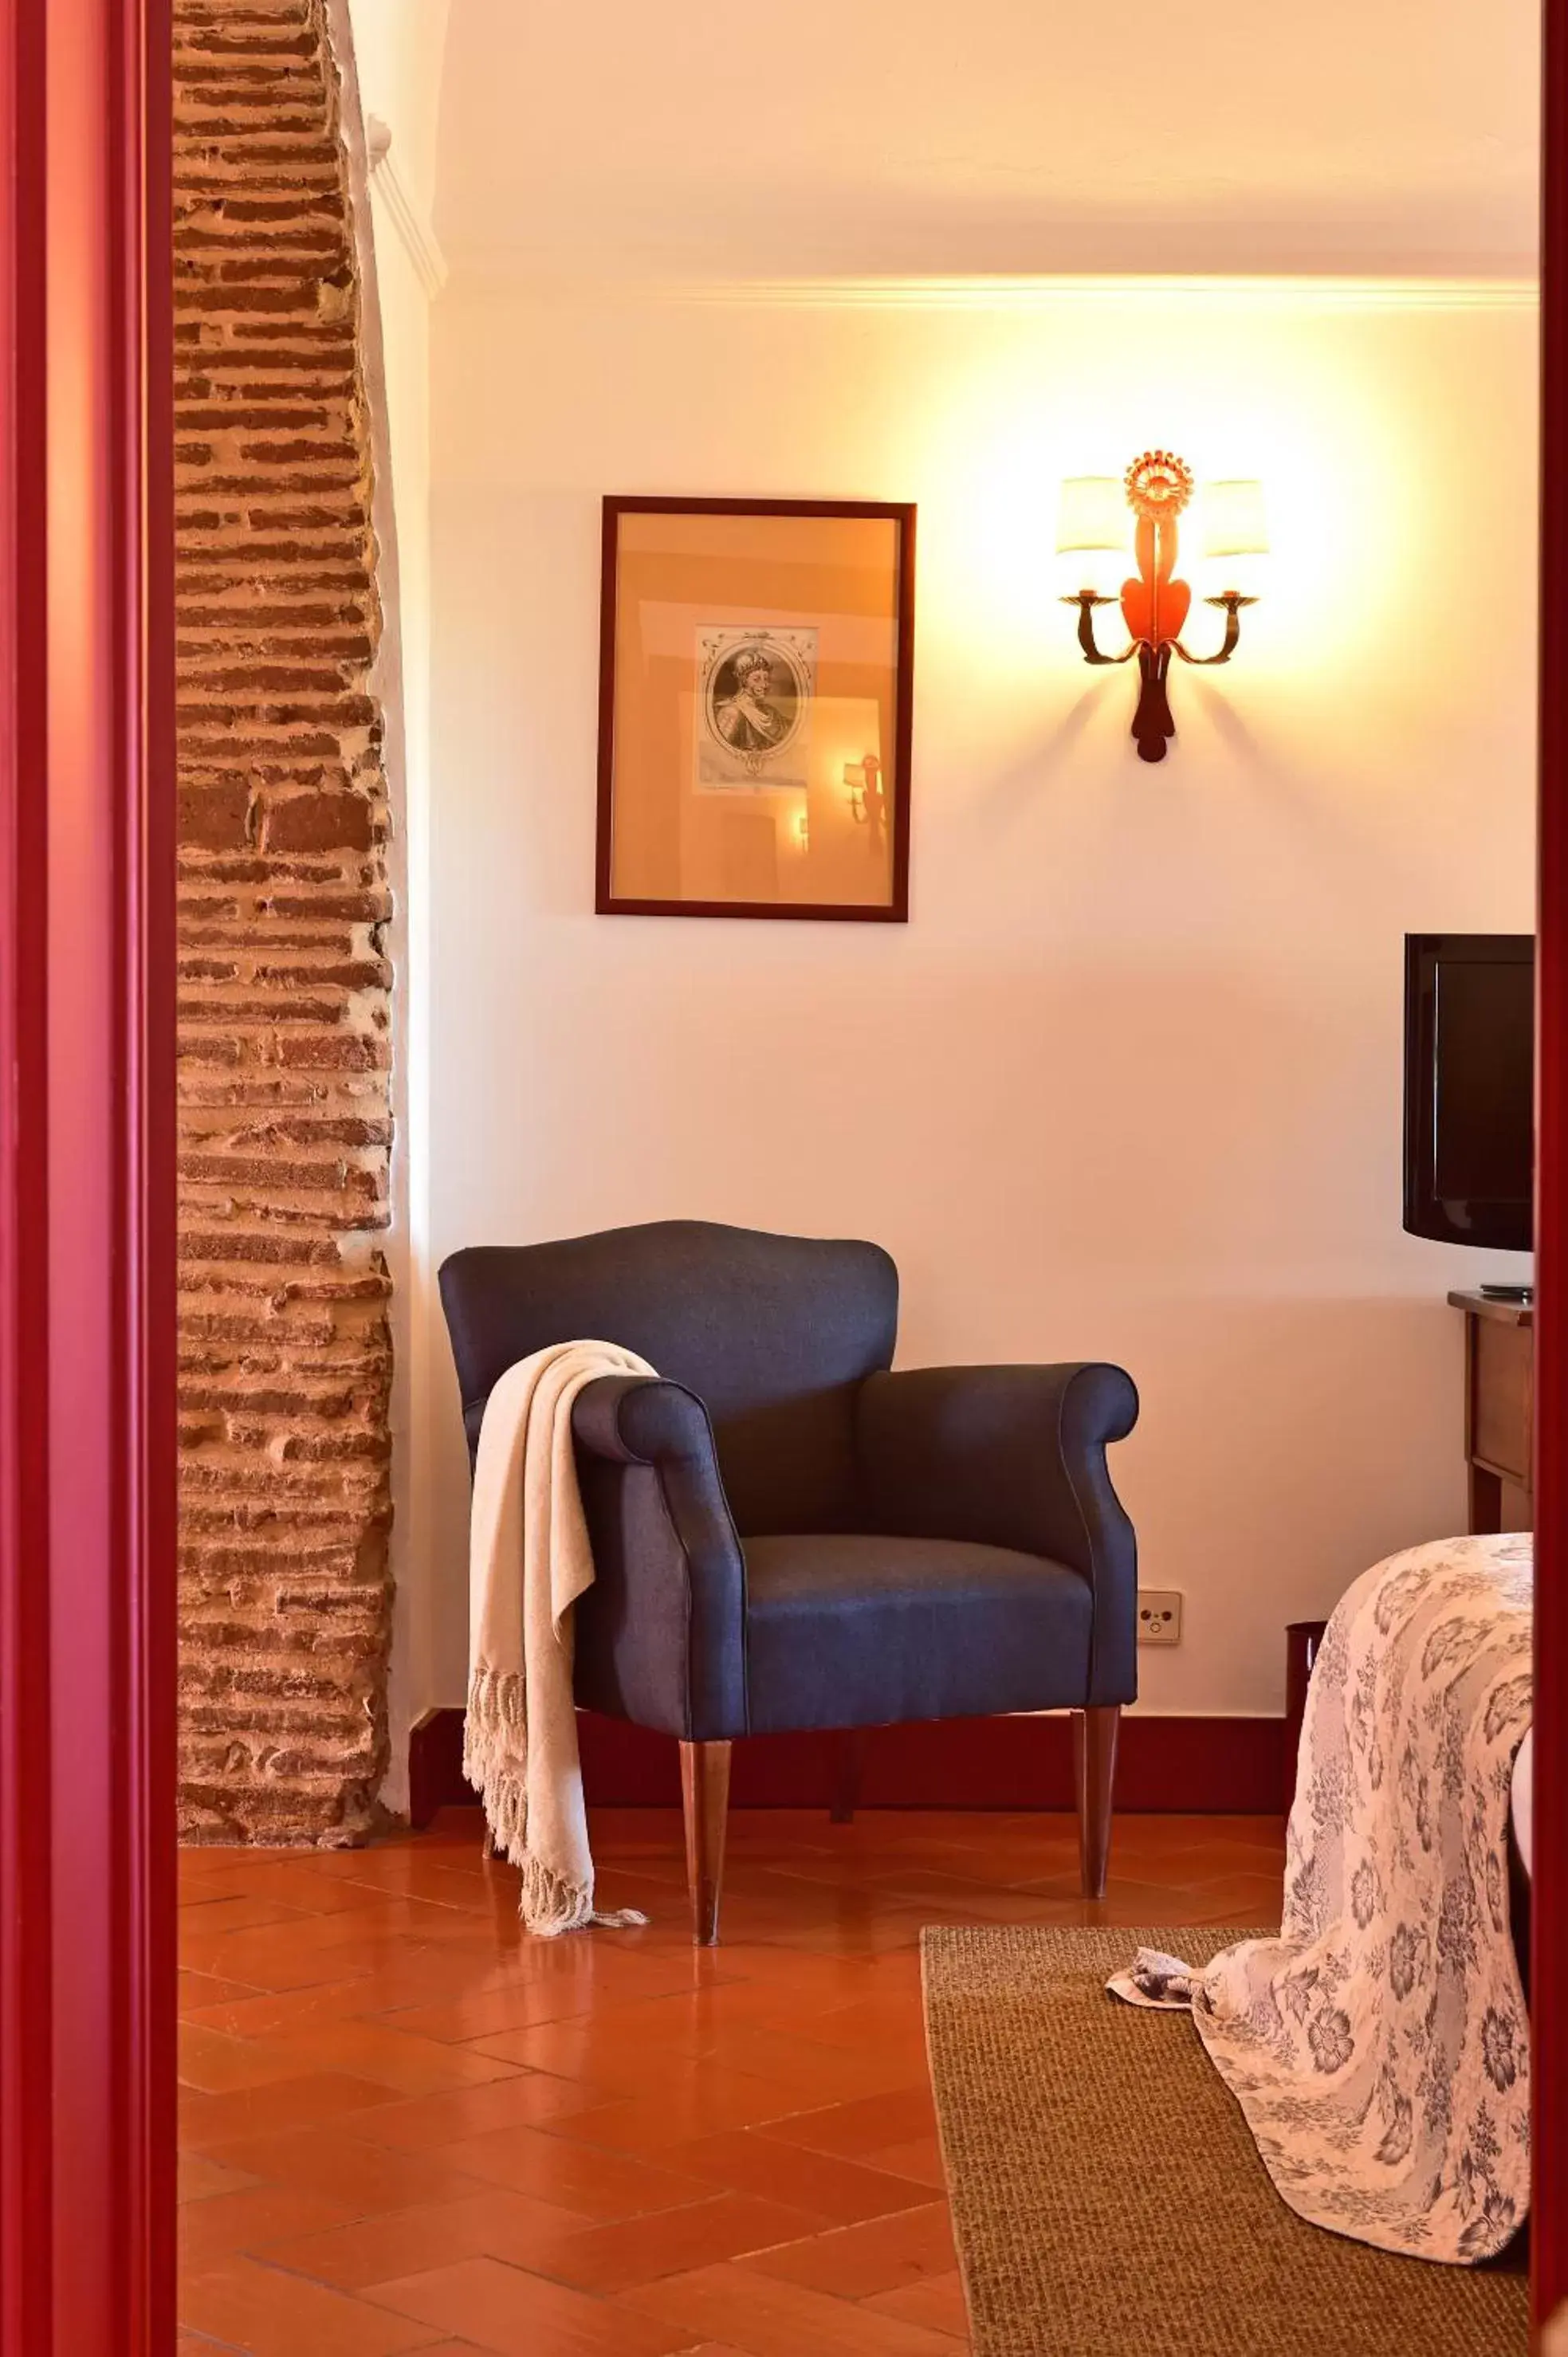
1549	1970
87	1189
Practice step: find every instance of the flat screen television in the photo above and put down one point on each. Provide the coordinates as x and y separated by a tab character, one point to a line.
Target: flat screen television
1469	1076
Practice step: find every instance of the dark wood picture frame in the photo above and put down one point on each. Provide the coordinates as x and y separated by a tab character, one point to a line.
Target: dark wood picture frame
895	911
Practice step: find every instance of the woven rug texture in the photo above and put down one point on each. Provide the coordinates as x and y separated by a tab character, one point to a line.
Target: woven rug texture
1108	2200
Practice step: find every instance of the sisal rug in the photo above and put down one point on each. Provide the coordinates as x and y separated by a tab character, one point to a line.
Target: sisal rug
1107	2198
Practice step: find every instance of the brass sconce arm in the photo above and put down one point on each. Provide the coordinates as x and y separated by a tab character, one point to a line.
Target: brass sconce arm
1232	601
1086	602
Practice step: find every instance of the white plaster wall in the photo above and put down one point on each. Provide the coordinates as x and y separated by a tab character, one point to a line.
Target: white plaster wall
400	47
397	58
1128	1085
405	337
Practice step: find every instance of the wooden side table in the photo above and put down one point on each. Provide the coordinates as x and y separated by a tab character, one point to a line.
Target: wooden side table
1499	1407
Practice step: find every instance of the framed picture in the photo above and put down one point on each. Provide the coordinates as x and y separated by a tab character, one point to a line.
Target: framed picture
755	701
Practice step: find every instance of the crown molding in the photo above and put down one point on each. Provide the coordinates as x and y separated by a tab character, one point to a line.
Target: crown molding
409	218
1009	293
496	274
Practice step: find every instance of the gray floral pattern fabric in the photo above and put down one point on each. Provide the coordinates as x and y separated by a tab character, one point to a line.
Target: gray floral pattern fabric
1379	2048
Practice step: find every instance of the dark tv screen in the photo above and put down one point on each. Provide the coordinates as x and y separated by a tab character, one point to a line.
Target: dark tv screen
1469	1084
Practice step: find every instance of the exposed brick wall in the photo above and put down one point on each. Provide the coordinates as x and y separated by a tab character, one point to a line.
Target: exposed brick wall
284	1017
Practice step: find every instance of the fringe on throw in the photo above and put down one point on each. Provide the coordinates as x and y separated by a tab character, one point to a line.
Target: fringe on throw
495	1750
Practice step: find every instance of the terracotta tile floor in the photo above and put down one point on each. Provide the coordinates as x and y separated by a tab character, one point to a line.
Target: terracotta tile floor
404	2126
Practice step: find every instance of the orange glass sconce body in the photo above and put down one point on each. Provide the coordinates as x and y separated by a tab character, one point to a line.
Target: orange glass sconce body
1094	529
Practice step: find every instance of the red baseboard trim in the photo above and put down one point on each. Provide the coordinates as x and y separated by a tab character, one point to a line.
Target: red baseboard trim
1197	1766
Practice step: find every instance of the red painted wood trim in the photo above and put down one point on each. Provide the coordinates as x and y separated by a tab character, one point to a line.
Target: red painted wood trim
897	911
26	1947
1199	1765
150	1033
87	1431
1549	2232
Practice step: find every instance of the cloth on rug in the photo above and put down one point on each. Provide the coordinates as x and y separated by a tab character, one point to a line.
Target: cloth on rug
1379	2048
528	1561
1155	1979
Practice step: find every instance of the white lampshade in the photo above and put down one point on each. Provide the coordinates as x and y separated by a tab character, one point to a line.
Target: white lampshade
1235	533
1093	513
1233	519
1094	535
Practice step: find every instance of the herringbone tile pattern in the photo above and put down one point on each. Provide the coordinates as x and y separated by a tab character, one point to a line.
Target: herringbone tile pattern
406	2127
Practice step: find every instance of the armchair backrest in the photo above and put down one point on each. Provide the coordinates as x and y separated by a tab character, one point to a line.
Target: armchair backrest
773	1333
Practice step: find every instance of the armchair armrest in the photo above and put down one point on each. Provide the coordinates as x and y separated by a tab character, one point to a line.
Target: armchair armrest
660	1634
1012	1456
642	1420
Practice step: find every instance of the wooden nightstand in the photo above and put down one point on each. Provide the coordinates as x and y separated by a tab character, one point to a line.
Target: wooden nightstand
1499	1407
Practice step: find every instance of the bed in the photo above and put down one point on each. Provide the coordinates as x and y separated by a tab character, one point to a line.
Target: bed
1379	2046
1520	1801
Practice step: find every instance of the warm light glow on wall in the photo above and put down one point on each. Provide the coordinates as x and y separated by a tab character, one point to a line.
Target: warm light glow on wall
1286	387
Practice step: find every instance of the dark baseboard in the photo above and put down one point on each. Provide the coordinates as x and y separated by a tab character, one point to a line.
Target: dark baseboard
1201	1766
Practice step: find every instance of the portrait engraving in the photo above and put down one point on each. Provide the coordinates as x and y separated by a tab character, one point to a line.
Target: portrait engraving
755	690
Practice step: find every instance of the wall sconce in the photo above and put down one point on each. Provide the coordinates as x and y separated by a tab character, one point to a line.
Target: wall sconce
1093	530
867	801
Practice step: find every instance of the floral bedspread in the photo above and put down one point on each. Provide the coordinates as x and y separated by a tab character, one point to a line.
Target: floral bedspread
1379	2047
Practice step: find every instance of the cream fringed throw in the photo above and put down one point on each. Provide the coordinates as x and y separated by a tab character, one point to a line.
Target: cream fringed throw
528	1561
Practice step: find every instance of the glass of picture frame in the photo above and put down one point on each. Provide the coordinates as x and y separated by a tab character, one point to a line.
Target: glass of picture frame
755	708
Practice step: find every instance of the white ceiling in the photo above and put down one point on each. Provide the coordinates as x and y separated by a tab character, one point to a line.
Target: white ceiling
950	136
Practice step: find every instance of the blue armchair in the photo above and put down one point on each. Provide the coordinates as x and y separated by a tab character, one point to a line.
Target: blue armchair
786	1536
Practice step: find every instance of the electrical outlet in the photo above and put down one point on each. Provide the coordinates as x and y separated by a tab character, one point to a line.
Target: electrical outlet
1159	1616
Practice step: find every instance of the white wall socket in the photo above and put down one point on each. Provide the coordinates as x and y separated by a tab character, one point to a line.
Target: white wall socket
1159	1616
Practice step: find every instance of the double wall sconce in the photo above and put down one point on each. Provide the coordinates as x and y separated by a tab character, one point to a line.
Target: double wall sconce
1096	514
867	796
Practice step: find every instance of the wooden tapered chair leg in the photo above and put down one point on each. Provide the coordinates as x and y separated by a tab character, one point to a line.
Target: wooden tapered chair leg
704	1801
1094	1734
